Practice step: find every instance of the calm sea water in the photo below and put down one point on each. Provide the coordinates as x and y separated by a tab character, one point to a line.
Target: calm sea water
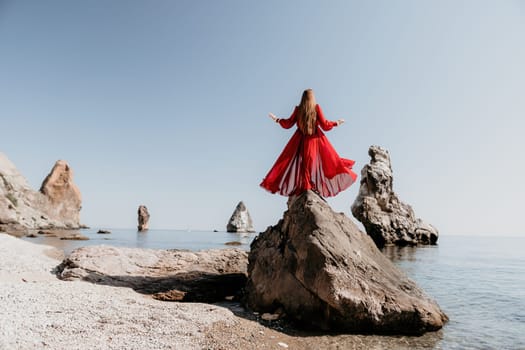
153	239
478	281
480	284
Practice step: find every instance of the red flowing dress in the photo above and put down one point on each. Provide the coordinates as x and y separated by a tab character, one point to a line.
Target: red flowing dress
309	162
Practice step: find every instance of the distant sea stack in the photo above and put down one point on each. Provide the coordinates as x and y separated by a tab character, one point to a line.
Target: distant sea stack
240	221
57	205
143	218
386	219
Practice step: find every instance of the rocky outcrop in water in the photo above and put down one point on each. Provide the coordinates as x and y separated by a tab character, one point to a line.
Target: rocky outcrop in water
205	276
240	221
318	269
143	218
386	219
22	208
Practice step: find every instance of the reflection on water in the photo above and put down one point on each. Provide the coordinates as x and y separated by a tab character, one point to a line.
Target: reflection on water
142	239
400	253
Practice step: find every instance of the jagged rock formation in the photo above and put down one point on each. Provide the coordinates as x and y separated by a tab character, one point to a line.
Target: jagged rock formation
318	269
63	194
240	221
22	208
205	276
386	219
143	218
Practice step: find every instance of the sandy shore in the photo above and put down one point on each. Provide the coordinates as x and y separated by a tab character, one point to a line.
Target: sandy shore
40	311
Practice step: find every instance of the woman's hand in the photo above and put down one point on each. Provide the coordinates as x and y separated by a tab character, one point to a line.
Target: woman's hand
274	118
340	122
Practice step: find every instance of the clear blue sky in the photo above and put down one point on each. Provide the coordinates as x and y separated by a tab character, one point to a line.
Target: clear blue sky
165	103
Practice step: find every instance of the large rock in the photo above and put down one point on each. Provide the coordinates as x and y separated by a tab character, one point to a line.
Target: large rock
240	221
205	276
57	206
63	194
317	268
385	218
143	218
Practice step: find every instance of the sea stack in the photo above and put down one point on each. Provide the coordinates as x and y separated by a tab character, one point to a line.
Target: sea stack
56	205
63	194
143	218
386	219
240	221
318	269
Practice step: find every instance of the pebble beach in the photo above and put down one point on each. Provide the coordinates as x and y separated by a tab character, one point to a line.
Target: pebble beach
40	311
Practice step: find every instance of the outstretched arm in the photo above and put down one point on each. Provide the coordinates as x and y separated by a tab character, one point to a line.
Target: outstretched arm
326	125
285	123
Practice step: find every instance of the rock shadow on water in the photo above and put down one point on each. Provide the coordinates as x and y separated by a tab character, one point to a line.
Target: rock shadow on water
396	253
404	253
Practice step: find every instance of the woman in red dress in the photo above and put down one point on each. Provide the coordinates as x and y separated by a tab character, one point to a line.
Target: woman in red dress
309	161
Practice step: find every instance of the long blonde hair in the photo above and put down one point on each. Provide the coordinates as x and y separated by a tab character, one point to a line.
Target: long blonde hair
307	115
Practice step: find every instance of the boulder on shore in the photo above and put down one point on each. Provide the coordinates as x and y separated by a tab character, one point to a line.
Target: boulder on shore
57	205
386	219
318	269
240	221
173	275
143	218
